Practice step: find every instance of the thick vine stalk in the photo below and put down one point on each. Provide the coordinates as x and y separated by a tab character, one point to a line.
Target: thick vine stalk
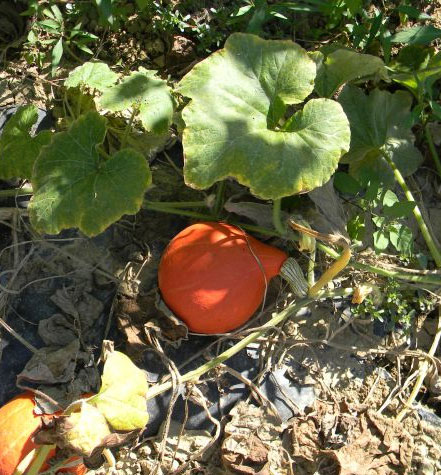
198	372
293	308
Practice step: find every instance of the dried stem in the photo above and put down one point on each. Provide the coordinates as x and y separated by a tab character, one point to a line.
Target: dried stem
423	370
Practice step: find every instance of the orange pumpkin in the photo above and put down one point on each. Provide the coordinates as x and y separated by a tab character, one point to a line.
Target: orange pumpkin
18	423
209	276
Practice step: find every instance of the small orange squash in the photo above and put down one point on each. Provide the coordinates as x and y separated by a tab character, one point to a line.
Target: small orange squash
18	423
209	276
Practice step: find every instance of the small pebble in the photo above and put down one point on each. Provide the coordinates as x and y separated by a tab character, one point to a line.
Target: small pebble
145	451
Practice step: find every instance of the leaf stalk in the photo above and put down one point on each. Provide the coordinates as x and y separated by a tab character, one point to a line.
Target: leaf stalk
36	459
179	204
432	148
128	127
277	217
151	206
220	197
434	251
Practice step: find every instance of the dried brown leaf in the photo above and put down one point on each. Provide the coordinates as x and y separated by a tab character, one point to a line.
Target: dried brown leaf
173	330
369	443
57	330
141	314
51	365
79	304
253	442
244	455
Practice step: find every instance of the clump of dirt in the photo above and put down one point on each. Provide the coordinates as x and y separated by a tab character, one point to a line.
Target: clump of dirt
21	84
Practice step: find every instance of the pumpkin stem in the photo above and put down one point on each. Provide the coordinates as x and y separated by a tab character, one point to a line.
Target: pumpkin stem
293	274
26	190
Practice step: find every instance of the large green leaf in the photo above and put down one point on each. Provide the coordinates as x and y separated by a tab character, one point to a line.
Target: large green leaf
93	74
122	397
75	187
344	65
18	150
143	90
234	122
417	68
380	123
